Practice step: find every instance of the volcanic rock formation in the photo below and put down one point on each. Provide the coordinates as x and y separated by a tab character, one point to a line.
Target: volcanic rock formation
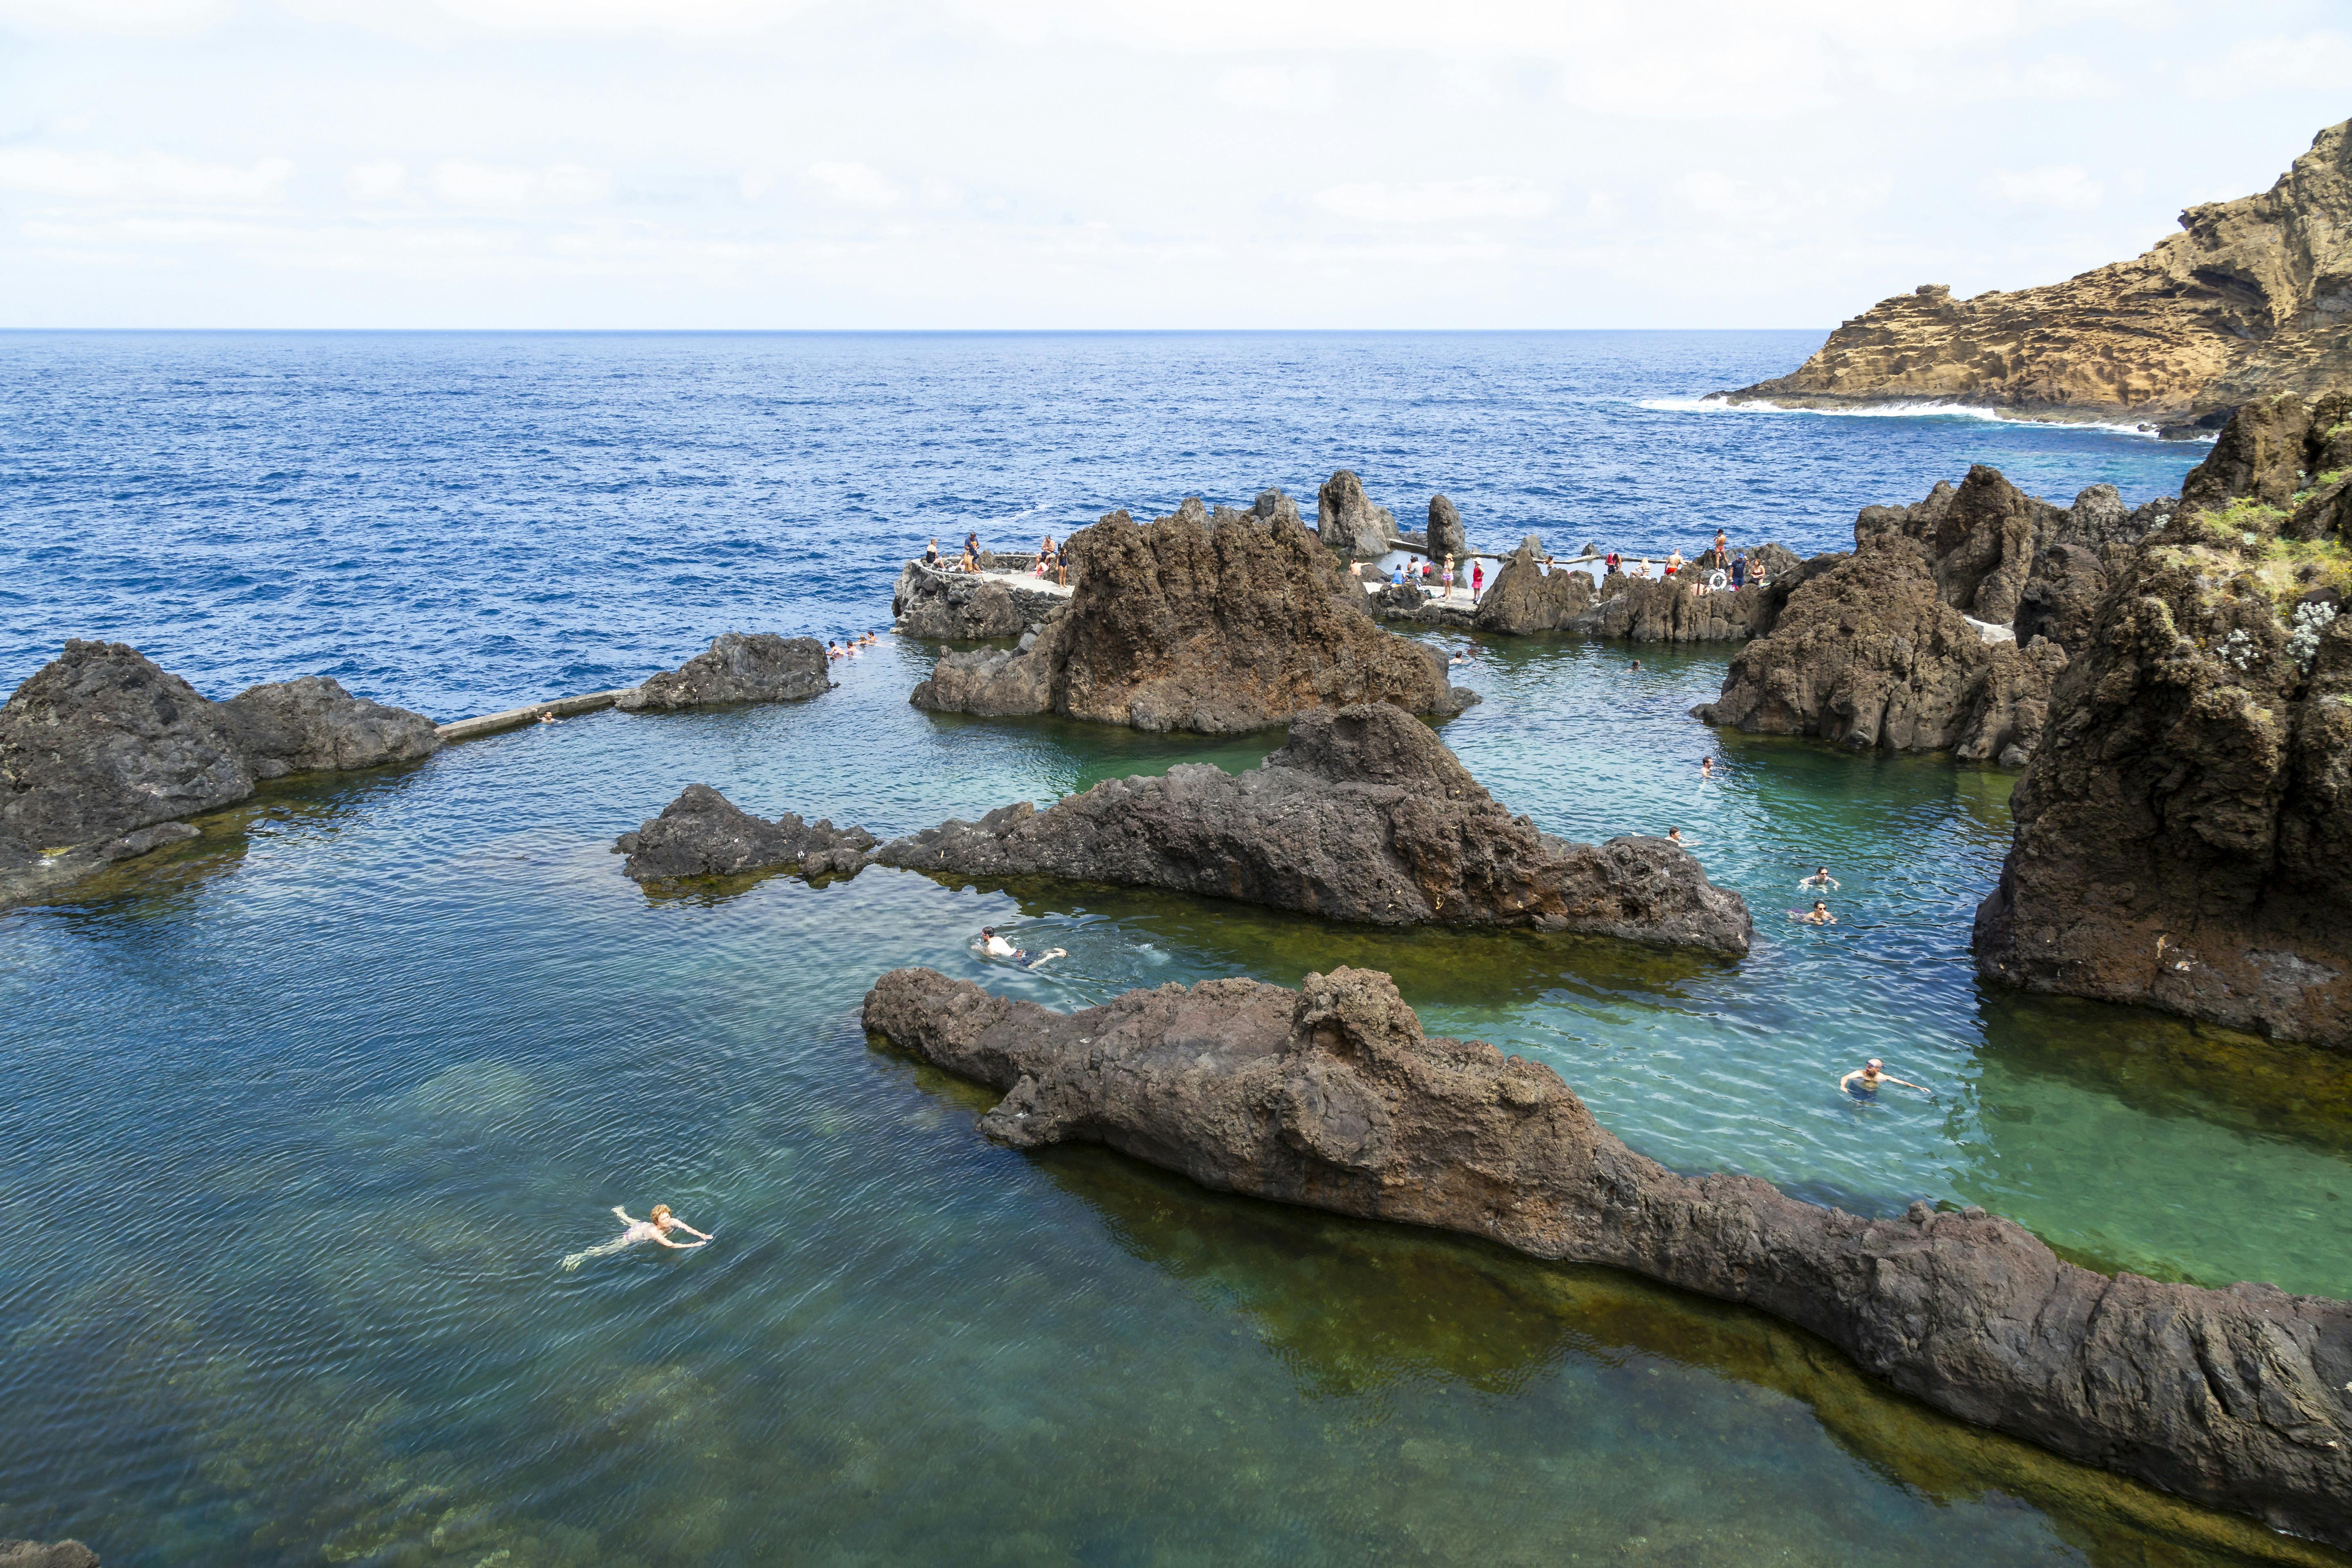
1866	653
101	749
1347	521
703	834
35	1554
1364	815
1331	1097
1446	536
738	667
2184	839
2255	298
1216	624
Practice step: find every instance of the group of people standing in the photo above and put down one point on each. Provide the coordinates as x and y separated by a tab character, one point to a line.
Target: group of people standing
1736	571
1052	560
1424	571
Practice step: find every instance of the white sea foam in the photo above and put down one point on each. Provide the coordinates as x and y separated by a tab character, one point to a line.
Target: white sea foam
1717	404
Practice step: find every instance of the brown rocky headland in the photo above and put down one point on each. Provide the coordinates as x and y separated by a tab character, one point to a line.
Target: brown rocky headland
2253	298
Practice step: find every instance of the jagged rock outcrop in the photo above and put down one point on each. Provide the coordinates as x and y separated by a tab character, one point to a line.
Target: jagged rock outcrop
1867	654
1363	815
311	724
737	667
1525	597
704	834
35	1554
1331	1097
2253	299
1189	622
2184	838
1347	521
101	749
1985	537
931	604
1446	536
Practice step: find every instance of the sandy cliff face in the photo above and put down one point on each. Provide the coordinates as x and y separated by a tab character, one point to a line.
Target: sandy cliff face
2253	298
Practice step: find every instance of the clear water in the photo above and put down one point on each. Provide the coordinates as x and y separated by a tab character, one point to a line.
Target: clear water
302	1121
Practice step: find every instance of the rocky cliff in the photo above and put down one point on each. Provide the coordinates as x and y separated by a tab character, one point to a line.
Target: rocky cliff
1217	624
737	667
2184	839
1363	815
2253	298
100	749
1331	1097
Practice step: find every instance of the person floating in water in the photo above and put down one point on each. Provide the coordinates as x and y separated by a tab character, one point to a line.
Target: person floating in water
1674	837
655	1228
1821	880
994	946
1707	767
1818	915
1864	1081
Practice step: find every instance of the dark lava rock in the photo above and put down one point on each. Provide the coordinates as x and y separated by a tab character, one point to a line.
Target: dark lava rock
101	749
1985	539
2184	838
1272	506
738	667
2061	597
34	1554
1524	597
1867	653
1347	521
1364	815
930	603
1446	535
1215	626
294	726
703	834
1331	1097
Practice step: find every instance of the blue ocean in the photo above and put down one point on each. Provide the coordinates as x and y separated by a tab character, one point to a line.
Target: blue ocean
303	1117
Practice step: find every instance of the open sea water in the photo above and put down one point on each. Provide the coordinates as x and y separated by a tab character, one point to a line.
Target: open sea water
302	1118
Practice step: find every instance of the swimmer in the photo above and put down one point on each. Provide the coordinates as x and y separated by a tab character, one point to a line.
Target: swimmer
1674	837
994	946
655	1228
546	718
1818	915
1707	767
1821	880
1637	664
1864	1081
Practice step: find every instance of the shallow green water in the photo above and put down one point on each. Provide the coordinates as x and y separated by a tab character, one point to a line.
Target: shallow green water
314	1112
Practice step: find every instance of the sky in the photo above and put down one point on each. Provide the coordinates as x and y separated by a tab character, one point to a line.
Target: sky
1106	164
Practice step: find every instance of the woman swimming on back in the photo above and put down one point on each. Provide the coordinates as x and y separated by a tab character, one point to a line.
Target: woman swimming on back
655	1228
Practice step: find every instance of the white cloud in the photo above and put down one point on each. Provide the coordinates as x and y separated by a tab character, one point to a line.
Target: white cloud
2322	60
147	177
463	182
686	19
379	181
1304	87
1762	205
855	185
128	18
2062	185
1454	201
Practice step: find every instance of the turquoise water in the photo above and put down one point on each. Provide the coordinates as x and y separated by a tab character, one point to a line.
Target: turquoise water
301	1124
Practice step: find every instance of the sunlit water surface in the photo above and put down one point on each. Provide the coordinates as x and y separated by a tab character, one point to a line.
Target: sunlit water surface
302	1119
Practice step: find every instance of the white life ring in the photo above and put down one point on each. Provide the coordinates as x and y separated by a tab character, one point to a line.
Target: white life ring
1715	581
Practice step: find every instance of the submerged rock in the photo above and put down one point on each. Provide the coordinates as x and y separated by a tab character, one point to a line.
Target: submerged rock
101	748
1364	815
2184	839
1218	626
738	667
34	1554
703	834
1331	1097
